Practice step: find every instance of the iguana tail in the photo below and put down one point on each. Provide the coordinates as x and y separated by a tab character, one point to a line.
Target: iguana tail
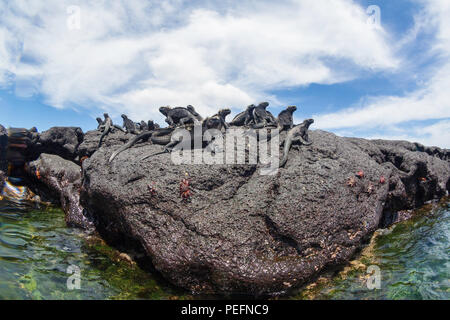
105	132
162	136
287	147
119	128
304	142
130	143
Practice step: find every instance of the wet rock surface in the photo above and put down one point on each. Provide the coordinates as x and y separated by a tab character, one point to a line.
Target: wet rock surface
55	178
244	233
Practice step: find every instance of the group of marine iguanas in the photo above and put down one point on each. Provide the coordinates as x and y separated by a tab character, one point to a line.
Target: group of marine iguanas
254	117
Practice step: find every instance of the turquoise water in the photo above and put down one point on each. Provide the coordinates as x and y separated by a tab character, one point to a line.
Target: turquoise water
36	249
413	259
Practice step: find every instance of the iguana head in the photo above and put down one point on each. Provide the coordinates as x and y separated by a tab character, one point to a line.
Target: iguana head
251	107
224	112
308	122
164	110
124	116
291	109
106	115
99	120
263	105
191	109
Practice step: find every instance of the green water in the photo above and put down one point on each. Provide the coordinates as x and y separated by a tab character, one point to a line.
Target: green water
413	259
36	248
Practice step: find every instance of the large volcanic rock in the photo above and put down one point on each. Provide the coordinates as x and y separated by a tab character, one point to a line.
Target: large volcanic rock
61	141
58	179
247	233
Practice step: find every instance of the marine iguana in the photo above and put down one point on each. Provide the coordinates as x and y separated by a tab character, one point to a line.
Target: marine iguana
129	125
107	127
166	136
262	117
244	118
285	119
297	134
217	121
143	126
178	116
101	123
194	113
151	125
144	136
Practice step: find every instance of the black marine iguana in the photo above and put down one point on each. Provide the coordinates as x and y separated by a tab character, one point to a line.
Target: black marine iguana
129	125
244	118
297	134
285	118
179	115
217	121
262	117
167	138
101	123
106	127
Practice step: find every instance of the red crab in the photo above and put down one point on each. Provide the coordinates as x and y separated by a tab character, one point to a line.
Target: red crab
152	188
84	158
360	174
185	190
38	174
382	180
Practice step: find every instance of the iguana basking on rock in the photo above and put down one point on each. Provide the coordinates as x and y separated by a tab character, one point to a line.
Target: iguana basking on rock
192	110
144	137
129	125
298	134
167	137
179	115
217	121
143	126
285	118
101	124
244	118
262	117
106	127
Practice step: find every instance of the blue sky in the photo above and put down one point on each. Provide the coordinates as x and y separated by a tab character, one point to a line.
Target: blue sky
63	63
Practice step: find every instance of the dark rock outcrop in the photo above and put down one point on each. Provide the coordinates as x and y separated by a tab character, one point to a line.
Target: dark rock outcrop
61	141
247	233
3	145
2	179
55	178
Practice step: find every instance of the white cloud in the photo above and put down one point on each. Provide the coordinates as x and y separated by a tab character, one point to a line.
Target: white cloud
133	56
431	102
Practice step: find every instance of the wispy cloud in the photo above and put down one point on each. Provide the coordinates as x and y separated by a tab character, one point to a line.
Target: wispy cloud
134	56
389	114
